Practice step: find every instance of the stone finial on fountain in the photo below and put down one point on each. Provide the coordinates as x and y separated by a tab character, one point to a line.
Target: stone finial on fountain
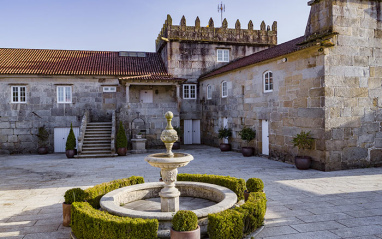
169	135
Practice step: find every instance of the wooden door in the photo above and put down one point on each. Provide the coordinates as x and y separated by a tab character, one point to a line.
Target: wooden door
195	131
265	137
60	136
187	132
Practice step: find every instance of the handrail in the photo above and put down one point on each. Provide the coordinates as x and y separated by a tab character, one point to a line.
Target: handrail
84	123
113	122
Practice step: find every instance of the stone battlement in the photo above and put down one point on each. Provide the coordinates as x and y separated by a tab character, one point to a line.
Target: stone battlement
266	36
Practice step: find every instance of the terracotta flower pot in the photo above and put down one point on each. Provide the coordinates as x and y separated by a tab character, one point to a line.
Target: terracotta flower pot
70	153
225	147
66	210
302	163
246	195
247	151
122	151
42	150
195	234
176	145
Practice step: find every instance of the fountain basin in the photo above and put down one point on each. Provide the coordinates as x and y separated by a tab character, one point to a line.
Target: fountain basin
163	160
223	197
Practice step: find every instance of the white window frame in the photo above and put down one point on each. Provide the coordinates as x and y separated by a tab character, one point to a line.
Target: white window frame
65	89
224	89
268	81
209	92
109	89
19	99
189	91
222	55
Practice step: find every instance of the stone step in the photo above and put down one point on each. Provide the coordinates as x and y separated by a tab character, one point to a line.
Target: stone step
95	152
108	134
92	147
96	144
98	130
96	155
99	124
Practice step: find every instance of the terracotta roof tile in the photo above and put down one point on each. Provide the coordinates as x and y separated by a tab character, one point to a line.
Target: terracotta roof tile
276	51
68	62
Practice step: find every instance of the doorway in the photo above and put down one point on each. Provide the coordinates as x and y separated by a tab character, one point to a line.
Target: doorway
265	137
191	131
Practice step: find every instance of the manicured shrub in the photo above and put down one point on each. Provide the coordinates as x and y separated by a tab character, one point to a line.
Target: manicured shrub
74	195
121	136
90	223
71	140
94	194
224	133
43	136
237	185
227	224
255	185
253	211
247	134
184	221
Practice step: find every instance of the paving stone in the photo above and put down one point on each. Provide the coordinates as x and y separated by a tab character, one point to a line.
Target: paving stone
358	231
318	226
306	235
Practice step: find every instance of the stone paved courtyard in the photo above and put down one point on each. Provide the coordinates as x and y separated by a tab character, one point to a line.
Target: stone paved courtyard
301	204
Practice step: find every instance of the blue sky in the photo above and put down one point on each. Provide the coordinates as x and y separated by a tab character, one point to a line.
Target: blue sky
131	25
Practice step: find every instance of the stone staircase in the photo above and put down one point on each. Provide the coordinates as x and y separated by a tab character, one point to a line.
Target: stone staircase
97	140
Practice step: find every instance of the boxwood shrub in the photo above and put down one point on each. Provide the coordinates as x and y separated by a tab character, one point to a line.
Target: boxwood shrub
227	224
237	185
90	223
184	220
255	185
74	195
94	194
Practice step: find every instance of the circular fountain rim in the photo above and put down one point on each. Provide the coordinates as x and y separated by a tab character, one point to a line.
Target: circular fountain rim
158	158
111	201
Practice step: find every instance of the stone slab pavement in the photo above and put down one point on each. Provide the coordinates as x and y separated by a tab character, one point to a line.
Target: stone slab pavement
301	204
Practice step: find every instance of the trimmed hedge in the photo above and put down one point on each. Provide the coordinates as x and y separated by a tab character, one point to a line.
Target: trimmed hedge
94	194
227	224
237	185
90	223
184	220
255	185
74	195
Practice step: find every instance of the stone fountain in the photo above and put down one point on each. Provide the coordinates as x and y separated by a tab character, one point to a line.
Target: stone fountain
169	163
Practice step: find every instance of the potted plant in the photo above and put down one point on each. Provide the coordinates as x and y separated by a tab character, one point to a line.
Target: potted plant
138	135
71	196
303	141
178	132
225	133
248	135
253	185
43	137
121	140
70	143
185	225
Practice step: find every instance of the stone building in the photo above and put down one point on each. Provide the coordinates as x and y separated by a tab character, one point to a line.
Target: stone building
327	82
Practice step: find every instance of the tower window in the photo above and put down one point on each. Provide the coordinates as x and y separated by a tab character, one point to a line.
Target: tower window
222	55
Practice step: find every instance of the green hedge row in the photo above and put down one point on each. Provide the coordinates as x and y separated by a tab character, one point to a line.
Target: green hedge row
233	223
237	185
90	223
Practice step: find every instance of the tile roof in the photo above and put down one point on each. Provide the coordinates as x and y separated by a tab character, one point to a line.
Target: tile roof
76	62
267	54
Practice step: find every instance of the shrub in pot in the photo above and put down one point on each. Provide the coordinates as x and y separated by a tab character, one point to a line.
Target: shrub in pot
303	141
71	196
43	137
185	225
178	132
70	143
248	135
121	140
225	133
253	185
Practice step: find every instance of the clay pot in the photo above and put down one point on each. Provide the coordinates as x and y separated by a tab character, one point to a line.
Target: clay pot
302	162
225	147
122	151
42	150
246	195
66	210
70	153
247	151
176	145
195	234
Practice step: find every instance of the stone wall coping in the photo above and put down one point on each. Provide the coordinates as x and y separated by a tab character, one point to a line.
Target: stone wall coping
224	196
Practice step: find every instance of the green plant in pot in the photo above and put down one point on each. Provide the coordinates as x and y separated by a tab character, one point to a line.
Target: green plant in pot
43	137
179	133
253	185
185	225
303	141
71	196
70	143
247	134
224	134
121	140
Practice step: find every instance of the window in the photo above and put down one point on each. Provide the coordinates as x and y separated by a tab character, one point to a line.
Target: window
189	91
224	89
268	81
223	55
64	94
19	94
109	89
209	92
